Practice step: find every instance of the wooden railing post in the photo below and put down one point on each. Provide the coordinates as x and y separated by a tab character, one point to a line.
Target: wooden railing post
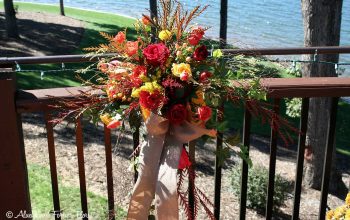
14	191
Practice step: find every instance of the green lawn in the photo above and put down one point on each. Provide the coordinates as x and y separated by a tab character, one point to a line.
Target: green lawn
41	197
95	22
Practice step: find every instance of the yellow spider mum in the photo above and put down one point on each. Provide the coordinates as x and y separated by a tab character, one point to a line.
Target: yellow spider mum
347	200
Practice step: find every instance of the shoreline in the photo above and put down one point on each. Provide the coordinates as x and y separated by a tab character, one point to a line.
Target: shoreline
75	8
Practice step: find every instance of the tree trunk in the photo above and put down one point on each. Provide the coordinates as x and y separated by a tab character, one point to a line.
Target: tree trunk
61	8
322	20
10	19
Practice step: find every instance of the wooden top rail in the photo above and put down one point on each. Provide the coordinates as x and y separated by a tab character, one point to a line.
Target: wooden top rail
307	87
38	100
8	61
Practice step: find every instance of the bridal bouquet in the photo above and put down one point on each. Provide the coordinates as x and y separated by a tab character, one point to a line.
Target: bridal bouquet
167	78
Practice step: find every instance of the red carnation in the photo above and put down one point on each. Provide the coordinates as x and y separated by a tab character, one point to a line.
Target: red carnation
120	37
156	54
150	101
201	53
204	113
131	47
177	114
193	40
195	36
135	76
184	160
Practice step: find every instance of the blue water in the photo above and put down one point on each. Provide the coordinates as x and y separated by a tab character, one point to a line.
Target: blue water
251	23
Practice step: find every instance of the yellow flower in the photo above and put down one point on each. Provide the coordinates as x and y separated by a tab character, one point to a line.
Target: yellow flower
135	92
148	86
164	35
329	215
339	212
144	78
106	119
347	200
151	87
181	68
200	98
347	214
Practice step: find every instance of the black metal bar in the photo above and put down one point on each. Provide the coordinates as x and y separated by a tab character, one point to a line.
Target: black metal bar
244	176
53	167
81	168
328	157
300	159
191	154
62	8
223	23
5	61
218	168
272	165
136	140
154	15
109	172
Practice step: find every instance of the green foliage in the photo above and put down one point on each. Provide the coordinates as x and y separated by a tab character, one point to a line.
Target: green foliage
255	92
295	70
244	154
257	187
41	197
252	67
293	107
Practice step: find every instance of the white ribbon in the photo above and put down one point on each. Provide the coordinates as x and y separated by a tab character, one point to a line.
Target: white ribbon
158	164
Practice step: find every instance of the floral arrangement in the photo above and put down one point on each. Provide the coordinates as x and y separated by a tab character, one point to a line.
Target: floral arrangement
168	79
341	212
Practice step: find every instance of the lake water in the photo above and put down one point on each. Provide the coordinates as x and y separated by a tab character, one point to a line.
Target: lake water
251	23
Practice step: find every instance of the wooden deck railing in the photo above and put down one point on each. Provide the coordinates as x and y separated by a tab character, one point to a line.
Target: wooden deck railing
14	185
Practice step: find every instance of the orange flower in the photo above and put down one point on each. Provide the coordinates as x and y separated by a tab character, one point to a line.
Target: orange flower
120	37
102	66
146	20
131	47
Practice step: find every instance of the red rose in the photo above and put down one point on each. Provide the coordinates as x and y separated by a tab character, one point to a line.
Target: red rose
150	101
204	113
201	53
177	114
184	160
203	77
156	54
